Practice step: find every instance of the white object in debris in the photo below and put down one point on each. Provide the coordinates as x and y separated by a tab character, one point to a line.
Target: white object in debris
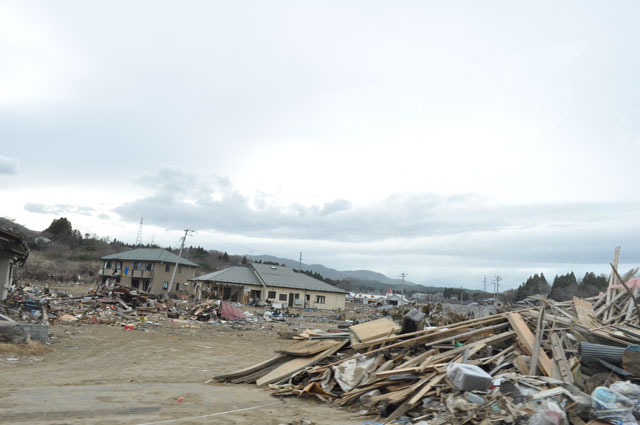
466	377
350	373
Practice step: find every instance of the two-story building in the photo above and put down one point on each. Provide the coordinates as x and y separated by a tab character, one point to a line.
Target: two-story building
149	270
270	283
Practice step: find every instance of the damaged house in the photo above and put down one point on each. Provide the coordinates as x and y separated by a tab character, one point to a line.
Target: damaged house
269	283
13	251
148	270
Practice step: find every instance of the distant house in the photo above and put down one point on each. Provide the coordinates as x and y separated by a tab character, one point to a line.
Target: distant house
271	283
13	250
396	299
148	270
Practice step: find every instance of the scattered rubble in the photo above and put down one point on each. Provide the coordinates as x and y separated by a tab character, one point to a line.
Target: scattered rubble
538	365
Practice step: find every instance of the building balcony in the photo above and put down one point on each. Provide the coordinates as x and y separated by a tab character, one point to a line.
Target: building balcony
109	272
146	274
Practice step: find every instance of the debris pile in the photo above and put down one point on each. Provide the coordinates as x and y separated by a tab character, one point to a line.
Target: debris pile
114	304
531	366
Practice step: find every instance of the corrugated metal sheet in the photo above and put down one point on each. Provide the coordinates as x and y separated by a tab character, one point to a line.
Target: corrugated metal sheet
150	254
592	353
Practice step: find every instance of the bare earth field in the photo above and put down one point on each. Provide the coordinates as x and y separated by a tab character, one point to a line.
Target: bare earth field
101	374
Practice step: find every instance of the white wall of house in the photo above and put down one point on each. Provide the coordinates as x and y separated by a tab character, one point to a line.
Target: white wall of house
5	277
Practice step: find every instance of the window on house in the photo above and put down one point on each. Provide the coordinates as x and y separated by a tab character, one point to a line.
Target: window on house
107	264
319	299
272	295
283	297
137	265
165	285
297	296
148	266
167	268
118	265
179	268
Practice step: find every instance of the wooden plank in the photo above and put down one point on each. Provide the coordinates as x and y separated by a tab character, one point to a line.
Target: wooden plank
398	396
419	340
472	346
586	315
308	347
251	369
528	341
371	330
435	332
561	359
612	280
297	364
410	403
533	367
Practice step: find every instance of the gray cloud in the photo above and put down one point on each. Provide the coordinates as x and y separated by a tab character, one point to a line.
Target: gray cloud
465	226
9	166
58	209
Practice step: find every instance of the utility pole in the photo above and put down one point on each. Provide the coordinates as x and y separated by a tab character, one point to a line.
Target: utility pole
497	288
300	262
403	275
175	267
484	283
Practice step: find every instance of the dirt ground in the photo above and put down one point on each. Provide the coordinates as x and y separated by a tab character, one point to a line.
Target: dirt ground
102	374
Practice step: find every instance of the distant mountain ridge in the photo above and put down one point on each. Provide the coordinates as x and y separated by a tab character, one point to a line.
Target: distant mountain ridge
361	276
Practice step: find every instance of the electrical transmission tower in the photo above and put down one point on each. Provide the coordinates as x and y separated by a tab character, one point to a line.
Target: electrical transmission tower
497	288
139	238
484	283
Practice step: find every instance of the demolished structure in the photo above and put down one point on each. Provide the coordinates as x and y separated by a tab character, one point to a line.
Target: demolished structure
270	283
550	363
13	251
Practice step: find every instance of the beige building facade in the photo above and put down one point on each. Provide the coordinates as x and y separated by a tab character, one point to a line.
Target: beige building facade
269	284
149	270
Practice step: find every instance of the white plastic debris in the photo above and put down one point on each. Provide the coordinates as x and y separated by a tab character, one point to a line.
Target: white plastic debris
466	377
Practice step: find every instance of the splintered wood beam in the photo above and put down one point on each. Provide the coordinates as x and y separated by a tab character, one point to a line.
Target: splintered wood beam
528	341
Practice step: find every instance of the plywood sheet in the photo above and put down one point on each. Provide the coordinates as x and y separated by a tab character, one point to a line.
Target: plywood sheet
309	347
297	364
372	330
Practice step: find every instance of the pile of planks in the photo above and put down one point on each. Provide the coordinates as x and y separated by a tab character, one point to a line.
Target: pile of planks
381	373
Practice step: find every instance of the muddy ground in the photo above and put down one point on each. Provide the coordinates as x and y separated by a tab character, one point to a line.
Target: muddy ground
102	374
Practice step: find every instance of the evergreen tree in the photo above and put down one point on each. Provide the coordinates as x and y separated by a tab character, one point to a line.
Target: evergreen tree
564	287
534	285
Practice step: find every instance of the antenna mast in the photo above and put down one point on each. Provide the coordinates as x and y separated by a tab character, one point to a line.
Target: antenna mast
139	238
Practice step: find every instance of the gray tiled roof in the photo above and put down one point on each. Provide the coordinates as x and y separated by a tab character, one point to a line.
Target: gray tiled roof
276	276
149	254
235	274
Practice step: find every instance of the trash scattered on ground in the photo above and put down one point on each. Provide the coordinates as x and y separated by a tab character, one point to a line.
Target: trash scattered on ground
543	364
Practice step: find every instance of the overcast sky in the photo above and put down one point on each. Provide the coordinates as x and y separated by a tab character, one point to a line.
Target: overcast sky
447	140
